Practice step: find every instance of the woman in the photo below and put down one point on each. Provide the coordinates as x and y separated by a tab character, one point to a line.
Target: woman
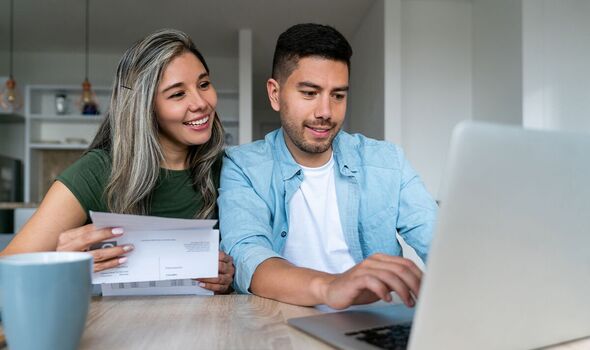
156	153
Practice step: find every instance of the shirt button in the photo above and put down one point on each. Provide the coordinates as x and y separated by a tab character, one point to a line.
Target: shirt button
283	234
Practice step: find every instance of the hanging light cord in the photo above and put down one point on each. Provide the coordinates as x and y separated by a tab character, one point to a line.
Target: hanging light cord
11	36
87	35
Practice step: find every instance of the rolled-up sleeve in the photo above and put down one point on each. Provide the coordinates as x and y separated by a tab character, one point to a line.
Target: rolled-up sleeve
245	224
417	210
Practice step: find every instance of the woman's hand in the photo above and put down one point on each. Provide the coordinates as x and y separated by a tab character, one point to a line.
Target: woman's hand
82	238
221	284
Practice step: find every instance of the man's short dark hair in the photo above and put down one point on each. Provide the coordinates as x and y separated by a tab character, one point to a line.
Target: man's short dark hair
305	40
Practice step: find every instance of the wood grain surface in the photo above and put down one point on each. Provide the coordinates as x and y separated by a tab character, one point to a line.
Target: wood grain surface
190	322
194	322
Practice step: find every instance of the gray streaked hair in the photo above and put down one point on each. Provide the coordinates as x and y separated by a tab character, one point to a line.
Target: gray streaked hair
130	130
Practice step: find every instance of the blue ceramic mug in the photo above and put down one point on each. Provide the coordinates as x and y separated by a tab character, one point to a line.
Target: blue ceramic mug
45	298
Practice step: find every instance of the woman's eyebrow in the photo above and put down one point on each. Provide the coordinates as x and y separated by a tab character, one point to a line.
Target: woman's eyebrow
175	85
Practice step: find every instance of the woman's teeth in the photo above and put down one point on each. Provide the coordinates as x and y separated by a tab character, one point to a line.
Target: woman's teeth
197	122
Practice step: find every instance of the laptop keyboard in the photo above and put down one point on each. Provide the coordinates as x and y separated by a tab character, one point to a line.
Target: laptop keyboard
393	337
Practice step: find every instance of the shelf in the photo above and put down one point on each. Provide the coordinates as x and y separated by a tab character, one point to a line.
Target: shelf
66	88
59	146
17	205
77	118
11	118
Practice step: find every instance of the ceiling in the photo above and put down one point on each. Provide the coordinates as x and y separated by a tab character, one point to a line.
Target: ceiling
58	25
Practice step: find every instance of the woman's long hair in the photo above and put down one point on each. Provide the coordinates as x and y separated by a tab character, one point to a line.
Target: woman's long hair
130	130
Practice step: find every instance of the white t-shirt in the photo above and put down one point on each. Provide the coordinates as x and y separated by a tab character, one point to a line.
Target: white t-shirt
315	239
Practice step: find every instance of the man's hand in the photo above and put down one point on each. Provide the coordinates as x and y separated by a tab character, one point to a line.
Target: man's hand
221	284
373	279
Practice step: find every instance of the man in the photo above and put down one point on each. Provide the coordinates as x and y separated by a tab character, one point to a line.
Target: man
310	213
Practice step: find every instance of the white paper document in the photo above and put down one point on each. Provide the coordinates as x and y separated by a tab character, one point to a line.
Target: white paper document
165	249
171	287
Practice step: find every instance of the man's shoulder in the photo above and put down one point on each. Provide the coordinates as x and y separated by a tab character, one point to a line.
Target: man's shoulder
254	153
369	151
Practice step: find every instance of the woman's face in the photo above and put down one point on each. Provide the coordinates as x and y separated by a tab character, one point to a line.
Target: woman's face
185	103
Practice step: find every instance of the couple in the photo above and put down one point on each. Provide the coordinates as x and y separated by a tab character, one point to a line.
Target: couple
308	215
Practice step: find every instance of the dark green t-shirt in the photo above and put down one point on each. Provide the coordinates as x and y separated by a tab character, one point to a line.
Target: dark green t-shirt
174	195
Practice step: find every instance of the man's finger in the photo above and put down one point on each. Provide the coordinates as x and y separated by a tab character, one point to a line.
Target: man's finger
409	275
398	260
394	283
224	257
220	288
215	280
222	279
225	268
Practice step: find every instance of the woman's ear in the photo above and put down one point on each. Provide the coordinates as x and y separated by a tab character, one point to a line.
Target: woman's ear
272	88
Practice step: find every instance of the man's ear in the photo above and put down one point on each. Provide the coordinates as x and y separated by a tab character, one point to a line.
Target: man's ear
272	88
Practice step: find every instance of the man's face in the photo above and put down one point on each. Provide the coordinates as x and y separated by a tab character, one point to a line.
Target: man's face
312	105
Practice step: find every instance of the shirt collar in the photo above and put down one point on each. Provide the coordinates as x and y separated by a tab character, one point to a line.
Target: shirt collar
346	163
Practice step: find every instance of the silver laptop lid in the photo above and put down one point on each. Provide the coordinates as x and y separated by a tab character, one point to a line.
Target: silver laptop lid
510	261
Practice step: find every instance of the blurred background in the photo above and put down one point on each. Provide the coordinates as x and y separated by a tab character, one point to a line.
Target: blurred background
418	68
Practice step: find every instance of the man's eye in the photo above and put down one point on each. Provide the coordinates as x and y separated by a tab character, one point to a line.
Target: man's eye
309	93
339	97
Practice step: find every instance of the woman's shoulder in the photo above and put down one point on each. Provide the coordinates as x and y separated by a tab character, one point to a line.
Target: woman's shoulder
97	156
87	177
94	163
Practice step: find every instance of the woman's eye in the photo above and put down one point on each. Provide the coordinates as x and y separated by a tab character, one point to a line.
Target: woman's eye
204	84
177	94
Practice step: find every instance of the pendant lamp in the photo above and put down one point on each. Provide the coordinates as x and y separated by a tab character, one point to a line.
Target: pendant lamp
88	101
10	99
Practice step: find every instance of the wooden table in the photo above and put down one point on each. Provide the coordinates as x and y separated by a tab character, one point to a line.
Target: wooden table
191	322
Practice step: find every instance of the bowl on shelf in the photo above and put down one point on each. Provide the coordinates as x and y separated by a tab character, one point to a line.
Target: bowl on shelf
76	140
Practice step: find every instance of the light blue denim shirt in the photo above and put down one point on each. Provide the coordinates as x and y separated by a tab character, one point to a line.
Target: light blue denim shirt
378	194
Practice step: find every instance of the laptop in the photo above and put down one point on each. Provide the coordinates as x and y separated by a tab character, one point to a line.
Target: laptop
509	266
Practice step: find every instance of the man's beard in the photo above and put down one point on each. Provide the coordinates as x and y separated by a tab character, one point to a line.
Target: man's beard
296	134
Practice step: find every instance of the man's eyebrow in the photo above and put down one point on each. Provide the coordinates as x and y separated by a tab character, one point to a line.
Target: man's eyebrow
309	85
340	88
317	87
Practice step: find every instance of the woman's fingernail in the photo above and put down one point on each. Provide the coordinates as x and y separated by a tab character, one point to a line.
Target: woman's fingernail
128	247
201	284
117	231
123	260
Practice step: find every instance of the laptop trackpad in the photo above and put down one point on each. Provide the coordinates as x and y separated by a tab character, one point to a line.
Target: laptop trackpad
334	327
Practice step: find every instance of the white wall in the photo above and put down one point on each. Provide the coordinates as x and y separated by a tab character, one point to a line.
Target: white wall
497	61
412	73
436	81
556	58
393	71
366	99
